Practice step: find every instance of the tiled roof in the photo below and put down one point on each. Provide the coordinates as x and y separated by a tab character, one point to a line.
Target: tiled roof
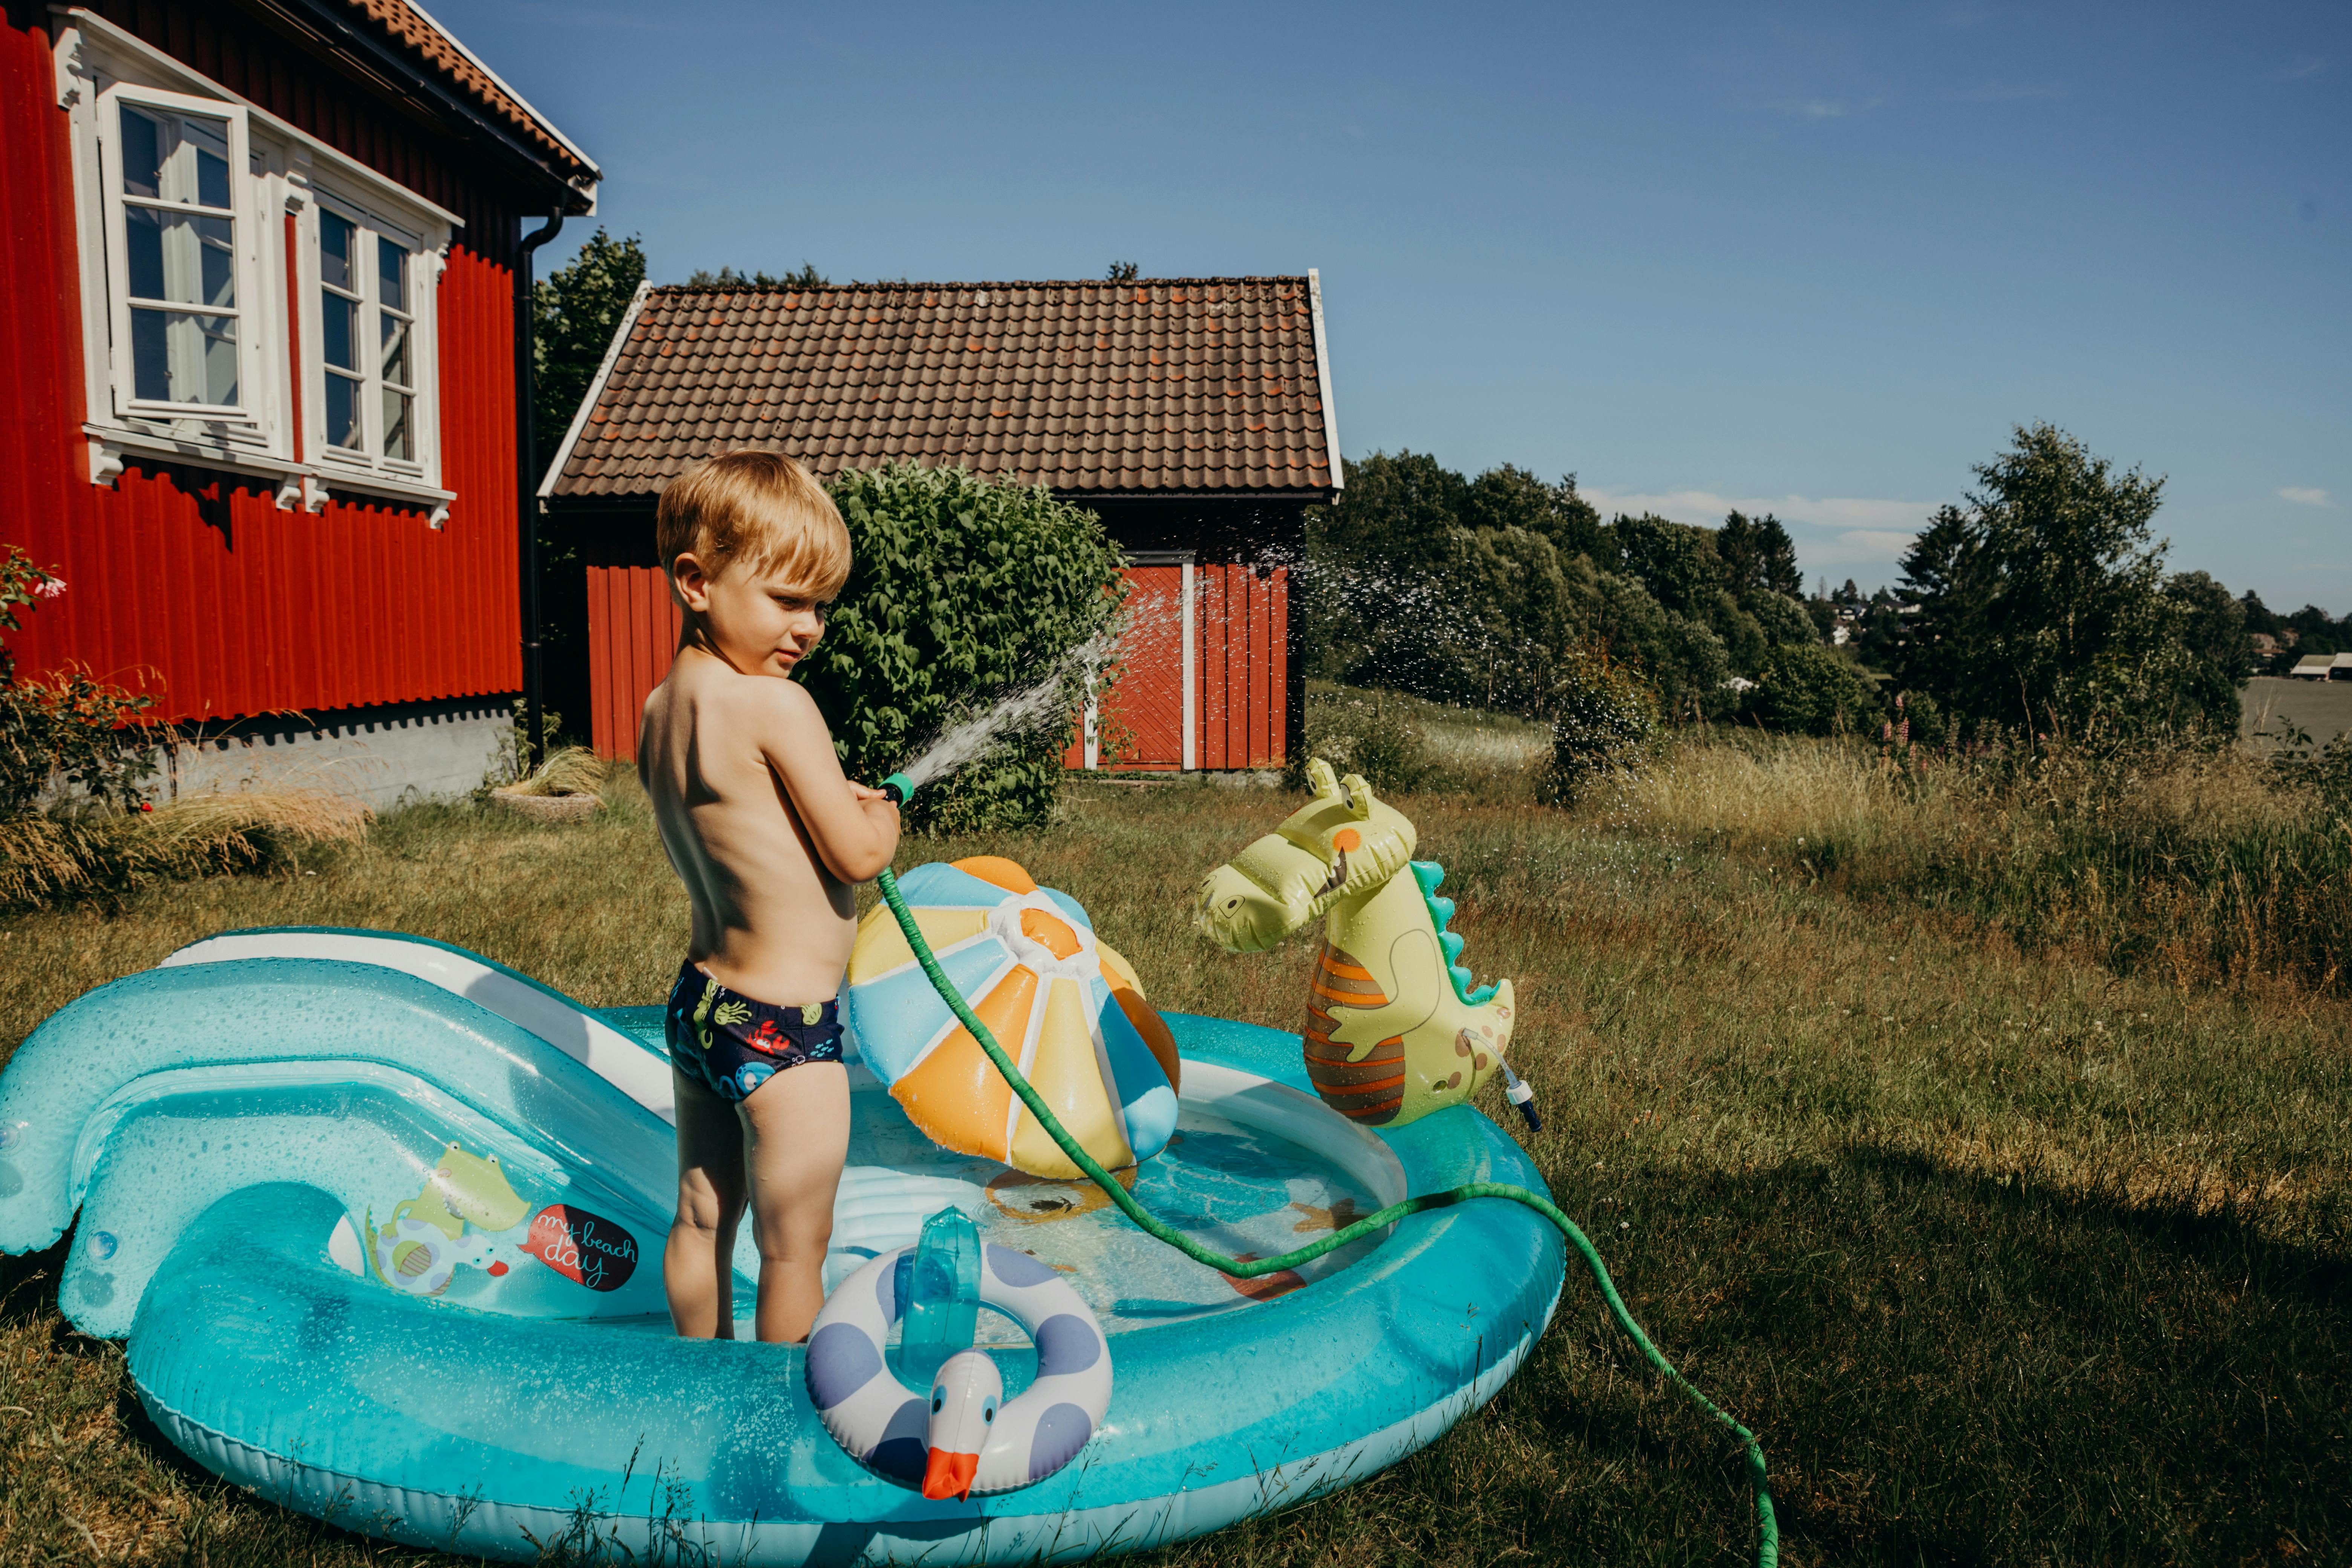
1149	386
451	59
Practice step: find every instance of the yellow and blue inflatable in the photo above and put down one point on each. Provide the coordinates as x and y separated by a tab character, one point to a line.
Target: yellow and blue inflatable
1066	1006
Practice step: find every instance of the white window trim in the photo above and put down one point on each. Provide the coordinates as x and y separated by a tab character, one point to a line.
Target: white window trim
283	166
251	305
343	464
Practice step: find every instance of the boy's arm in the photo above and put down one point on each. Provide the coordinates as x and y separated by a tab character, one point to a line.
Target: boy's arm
854	829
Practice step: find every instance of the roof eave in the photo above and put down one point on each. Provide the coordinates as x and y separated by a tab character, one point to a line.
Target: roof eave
326	24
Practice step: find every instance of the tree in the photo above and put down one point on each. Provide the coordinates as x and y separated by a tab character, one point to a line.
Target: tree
1511	496
806	276
1123	272
1674	561
2042	599
575	310
1758	555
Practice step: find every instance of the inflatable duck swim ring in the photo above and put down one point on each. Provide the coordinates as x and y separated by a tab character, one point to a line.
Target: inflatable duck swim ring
968	1437
1069	1008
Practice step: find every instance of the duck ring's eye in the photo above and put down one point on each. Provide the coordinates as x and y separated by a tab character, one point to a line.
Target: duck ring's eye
937	1400
988	1413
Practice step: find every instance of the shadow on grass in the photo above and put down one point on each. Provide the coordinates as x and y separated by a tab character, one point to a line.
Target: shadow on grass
1942	1369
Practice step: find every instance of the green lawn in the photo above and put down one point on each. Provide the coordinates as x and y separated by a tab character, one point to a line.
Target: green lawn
2006	1257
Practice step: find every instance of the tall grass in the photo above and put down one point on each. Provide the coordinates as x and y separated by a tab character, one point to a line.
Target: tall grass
2202	864
59	856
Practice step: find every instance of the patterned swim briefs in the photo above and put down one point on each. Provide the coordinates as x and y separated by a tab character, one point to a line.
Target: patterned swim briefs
731	1045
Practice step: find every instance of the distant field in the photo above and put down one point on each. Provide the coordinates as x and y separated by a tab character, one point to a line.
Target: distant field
2323	709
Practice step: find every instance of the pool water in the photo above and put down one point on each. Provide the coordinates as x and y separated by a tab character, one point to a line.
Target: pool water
1233	1185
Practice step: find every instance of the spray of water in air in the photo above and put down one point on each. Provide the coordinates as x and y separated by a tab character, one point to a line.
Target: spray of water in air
1023	711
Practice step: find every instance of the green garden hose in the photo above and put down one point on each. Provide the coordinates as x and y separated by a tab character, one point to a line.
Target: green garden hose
1768	1545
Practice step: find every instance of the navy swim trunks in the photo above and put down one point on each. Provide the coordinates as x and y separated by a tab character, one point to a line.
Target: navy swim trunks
732	1045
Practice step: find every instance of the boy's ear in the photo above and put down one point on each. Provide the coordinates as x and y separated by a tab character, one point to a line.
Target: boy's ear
691	584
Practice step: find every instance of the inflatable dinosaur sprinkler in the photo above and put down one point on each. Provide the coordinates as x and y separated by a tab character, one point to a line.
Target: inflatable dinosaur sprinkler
1394	1030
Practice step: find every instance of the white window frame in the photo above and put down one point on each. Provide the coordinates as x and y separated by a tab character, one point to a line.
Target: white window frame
279	171
251	310
370	225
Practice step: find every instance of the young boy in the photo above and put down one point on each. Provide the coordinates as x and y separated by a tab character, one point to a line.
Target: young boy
769	837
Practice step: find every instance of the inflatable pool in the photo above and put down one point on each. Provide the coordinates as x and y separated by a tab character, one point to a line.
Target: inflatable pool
381	1221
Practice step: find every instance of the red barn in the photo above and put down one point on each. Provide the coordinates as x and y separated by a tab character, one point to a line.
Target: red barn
1192	415
263	263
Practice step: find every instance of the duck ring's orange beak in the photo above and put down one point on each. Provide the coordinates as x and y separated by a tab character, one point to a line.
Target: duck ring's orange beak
946	1475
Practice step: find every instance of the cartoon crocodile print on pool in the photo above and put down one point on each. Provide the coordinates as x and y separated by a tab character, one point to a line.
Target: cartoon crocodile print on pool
1393	1029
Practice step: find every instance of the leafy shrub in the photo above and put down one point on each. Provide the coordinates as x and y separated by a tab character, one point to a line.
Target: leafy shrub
1809	690
964	589
1369	735
1604	717
69	734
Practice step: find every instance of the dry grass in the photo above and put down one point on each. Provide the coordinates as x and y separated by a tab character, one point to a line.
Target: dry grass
47	857
568	770
2008	1256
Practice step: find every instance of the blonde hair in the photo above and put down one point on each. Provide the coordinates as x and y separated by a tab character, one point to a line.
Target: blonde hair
758	509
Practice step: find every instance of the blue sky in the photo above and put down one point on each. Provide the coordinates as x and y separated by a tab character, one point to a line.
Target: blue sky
1812	260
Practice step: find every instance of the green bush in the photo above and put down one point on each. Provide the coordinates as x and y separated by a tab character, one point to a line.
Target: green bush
1604	717
963	589
1809	690
1371	734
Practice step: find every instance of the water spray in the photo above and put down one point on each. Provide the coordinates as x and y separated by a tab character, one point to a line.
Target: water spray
899	787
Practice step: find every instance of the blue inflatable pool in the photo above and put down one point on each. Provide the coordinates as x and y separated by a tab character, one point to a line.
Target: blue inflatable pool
382	1222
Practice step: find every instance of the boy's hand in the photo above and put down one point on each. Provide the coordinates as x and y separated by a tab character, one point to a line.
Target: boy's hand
863	792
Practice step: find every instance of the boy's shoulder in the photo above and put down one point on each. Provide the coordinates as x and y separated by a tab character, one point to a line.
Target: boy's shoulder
709	686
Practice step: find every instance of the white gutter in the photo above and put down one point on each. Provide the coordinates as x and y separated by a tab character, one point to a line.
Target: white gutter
1323	375
595	390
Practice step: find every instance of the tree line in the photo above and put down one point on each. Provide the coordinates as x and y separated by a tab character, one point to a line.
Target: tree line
2040	600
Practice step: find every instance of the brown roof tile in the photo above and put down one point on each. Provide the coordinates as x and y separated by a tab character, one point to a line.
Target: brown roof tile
452	61
1207	385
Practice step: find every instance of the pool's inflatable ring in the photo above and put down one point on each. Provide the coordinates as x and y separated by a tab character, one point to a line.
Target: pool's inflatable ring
960	1440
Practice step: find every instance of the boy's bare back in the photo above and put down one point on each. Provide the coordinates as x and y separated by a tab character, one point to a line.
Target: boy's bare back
749	796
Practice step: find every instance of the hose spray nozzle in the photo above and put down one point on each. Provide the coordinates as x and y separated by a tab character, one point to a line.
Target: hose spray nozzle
899	788
1519	1092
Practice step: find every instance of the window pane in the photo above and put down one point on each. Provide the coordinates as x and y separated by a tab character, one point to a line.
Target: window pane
179	357
142	153
335	240
184	259
143	231
150	360
395	350
342	411
391	274
340	322
398	442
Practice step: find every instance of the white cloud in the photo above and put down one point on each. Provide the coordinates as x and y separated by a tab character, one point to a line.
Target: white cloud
2302	494
1860	537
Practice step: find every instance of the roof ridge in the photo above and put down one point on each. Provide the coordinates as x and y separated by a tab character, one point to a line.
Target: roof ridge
745	286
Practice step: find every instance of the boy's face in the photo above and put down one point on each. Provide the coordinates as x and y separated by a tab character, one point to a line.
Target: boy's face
757	621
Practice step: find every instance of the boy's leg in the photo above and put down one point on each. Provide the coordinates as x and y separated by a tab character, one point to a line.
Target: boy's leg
796	1125
698	1263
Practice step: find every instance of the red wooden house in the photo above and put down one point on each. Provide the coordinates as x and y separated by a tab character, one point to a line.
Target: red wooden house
262	269
1193	415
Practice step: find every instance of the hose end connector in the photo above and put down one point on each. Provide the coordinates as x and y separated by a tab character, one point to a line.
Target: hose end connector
899	788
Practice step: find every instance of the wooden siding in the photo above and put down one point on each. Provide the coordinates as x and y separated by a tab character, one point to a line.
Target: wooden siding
190	584
634	624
